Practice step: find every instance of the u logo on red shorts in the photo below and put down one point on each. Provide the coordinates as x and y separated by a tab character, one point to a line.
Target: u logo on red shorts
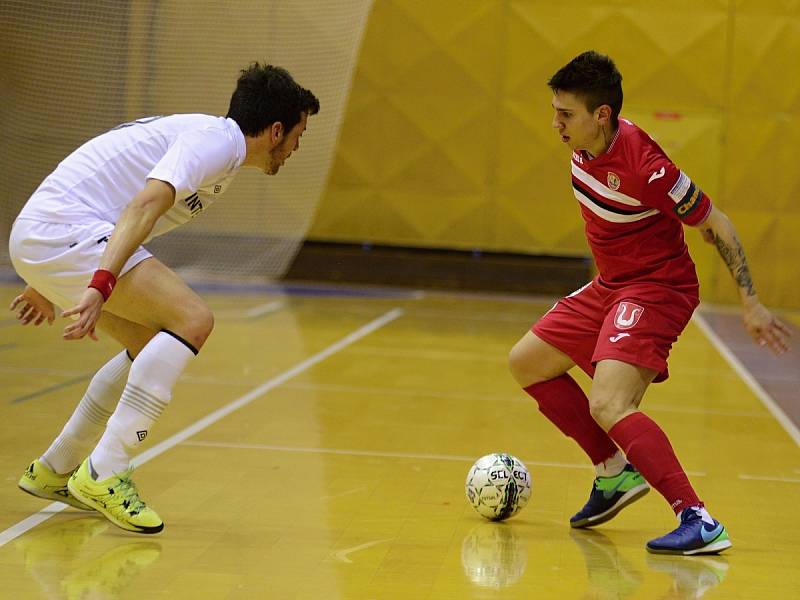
628	314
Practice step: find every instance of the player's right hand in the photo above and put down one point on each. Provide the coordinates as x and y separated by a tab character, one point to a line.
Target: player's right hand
34	308
88	311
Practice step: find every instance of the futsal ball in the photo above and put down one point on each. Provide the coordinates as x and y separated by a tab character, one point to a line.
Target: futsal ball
498	486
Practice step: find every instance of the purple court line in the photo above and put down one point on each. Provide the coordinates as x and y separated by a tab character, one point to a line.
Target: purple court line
777	376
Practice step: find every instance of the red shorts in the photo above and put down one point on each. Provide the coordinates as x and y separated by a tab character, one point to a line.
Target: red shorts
636	324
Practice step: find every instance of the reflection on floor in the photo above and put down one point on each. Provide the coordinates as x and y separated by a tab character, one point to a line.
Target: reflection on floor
64	559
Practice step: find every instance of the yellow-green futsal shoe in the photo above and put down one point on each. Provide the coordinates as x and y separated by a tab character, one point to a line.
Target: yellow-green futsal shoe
40	481
116	497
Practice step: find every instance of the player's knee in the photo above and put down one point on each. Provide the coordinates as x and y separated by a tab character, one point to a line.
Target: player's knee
522	364
607	409
600	411
533	361
204	324
197	324
517	365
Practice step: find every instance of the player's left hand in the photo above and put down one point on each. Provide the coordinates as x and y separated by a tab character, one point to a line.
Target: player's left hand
765	328
33	308
88	311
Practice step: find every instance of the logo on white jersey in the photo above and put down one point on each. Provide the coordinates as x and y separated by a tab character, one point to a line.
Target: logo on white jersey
613	181
615	338
628	314
657	175
194	204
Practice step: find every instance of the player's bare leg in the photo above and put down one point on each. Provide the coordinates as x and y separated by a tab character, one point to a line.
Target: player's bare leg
541	370
154	296
616	393
532	360
131	336
156	301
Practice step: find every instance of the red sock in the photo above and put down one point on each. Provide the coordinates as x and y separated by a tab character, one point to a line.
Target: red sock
563	402
647	447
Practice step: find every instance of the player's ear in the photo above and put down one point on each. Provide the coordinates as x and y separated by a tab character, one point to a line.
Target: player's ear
276	132
603	113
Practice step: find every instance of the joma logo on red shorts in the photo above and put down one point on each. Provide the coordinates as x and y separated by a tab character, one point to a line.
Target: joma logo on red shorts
628	314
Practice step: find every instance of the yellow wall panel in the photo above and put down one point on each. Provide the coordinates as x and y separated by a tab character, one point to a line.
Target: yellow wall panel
449	125
761	162
766	50
393	42
670	61
468	36
761	183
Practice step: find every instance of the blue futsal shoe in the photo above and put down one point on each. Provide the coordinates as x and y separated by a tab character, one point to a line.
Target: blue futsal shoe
693	536
609	496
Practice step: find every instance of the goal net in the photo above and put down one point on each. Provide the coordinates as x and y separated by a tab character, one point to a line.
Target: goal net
70	70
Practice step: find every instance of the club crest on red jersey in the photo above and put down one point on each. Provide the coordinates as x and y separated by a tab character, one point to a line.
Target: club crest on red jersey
613	180
628	314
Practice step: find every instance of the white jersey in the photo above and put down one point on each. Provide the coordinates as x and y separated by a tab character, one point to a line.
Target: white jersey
197	154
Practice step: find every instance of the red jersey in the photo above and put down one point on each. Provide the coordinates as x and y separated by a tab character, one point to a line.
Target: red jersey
634	201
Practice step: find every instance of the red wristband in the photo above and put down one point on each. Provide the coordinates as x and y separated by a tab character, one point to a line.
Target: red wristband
103	281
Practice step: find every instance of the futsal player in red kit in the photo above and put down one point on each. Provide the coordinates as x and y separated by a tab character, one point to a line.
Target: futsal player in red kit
619	328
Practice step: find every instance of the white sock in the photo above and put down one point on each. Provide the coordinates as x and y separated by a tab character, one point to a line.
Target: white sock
611	466
701	510
90	416
146	395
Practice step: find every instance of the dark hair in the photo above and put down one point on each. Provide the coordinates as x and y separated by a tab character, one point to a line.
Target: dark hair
594	78
265	94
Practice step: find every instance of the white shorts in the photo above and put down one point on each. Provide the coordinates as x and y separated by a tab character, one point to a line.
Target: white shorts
58	259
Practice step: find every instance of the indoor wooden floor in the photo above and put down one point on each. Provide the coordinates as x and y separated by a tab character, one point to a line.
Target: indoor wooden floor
317	449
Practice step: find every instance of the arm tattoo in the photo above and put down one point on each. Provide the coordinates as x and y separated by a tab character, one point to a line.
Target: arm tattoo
737	263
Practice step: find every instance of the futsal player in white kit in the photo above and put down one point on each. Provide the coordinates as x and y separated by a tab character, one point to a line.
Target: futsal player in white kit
85	225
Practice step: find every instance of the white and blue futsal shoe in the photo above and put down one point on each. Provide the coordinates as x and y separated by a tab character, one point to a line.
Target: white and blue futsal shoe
695	535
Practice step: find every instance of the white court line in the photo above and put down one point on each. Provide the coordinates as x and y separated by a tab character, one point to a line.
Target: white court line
363	488
341	555
30	522
264	309
371	453
515	397
310	450
751	382
428	354
763	478
255	311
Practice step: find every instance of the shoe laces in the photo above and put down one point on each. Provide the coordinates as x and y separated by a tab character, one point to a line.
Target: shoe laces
129	495
689	522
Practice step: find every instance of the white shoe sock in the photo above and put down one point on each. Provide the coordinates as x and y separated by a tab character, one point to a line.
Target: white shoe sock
87	422
146	395
701	510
